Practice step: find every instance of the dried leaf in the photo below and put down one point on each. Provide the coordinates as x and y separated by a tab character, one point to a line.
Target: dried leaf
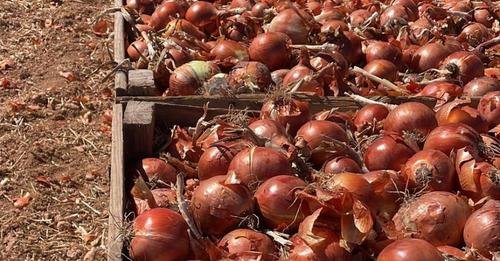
106	93
16	105
101	28
6	64
44	180
5	83
23	201
69	76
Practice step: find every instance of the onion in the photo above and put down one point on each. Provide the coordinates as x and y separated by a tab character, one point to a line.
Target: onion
278	202
164	12
271	49
240	242
226	49
459	111
341	118
334	25
352	182
341	164
350	47
182	25
188	78
429	170
158	171
218	207
203	15
393	13
413	117
482	229
254	76
385	185
437	217
452	253
216	159
410	249
259	9
140	49
489	108
292	23
160	234
255	165
278	76
290	113
483	15
358	17
387	152
383	50
453	136
265	128
247	4
474	34
444	91
429	56
163	197
481	85
464	66
383	69
315	132
370	114
299	72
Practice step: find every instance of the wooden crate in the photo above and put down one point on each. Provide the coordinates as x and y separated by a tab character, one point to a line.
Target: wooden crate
137	120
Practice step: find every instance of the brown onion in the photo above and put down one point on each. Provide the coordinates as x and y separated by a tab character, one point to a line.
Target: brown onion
429	56
489	108
250	75
291	22
265	128
481	85
383	69
410	249
464	66
429	170
482	229
160	234
299	72
239	242
158	171
370	114
182	25
188	78
271	49
164	12
278	203
383	50
453	136
444	91
254	165
413	117
291	114
163	197
227	49
460	112
141	49
216	159
341	164
218	207
387	152
437	217
474	34
203	15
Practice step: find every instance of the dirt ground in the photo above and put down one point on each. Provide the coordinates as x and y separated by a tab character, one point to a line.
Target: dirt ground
54	130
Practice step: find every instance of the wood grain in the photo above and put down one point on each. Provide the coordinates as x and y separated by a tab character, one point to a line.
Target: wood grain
141	83
119	51
138	128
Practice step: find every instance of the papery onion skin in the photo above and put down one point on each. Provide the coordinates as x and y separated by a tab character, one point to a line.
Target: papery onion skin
458	112
139	45
164	197
441	90
474	34
160	234
290	114
163	13
453	136
225	49
240	241
481	86
278	204
250	73
482	230
218	207
430	170
489	108
352	182
158	169
369	114
413	117
203	15
453	252
255	165
271	49
387	153
410	249
437	217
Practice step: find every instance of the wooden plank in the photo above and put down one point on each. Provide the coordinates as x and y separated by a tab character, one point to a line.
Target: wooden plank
117	186
138	128
119	51
141	83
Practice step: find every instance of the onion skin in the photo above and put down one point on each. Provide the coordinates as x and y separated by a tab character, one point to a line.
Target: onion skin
369	114
226	49
387	153
157	169
459	112
240	241
489	108
410	249
218	207
341	164
482	230
265	128
429	56
293	113
453	136
465	65
481	86
278	203
383	50
430	170
444	91
133	53
163	13
160	234
437	217
164	197
188	78
382	68
410	117
474	34
203	15
250	73
215	160
453	252
252	166
271	49
291	24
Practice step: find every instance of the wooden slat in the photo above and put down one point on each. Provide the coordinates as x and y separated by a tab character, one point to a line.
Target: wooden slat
119	51
141	83
138	128
117	184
